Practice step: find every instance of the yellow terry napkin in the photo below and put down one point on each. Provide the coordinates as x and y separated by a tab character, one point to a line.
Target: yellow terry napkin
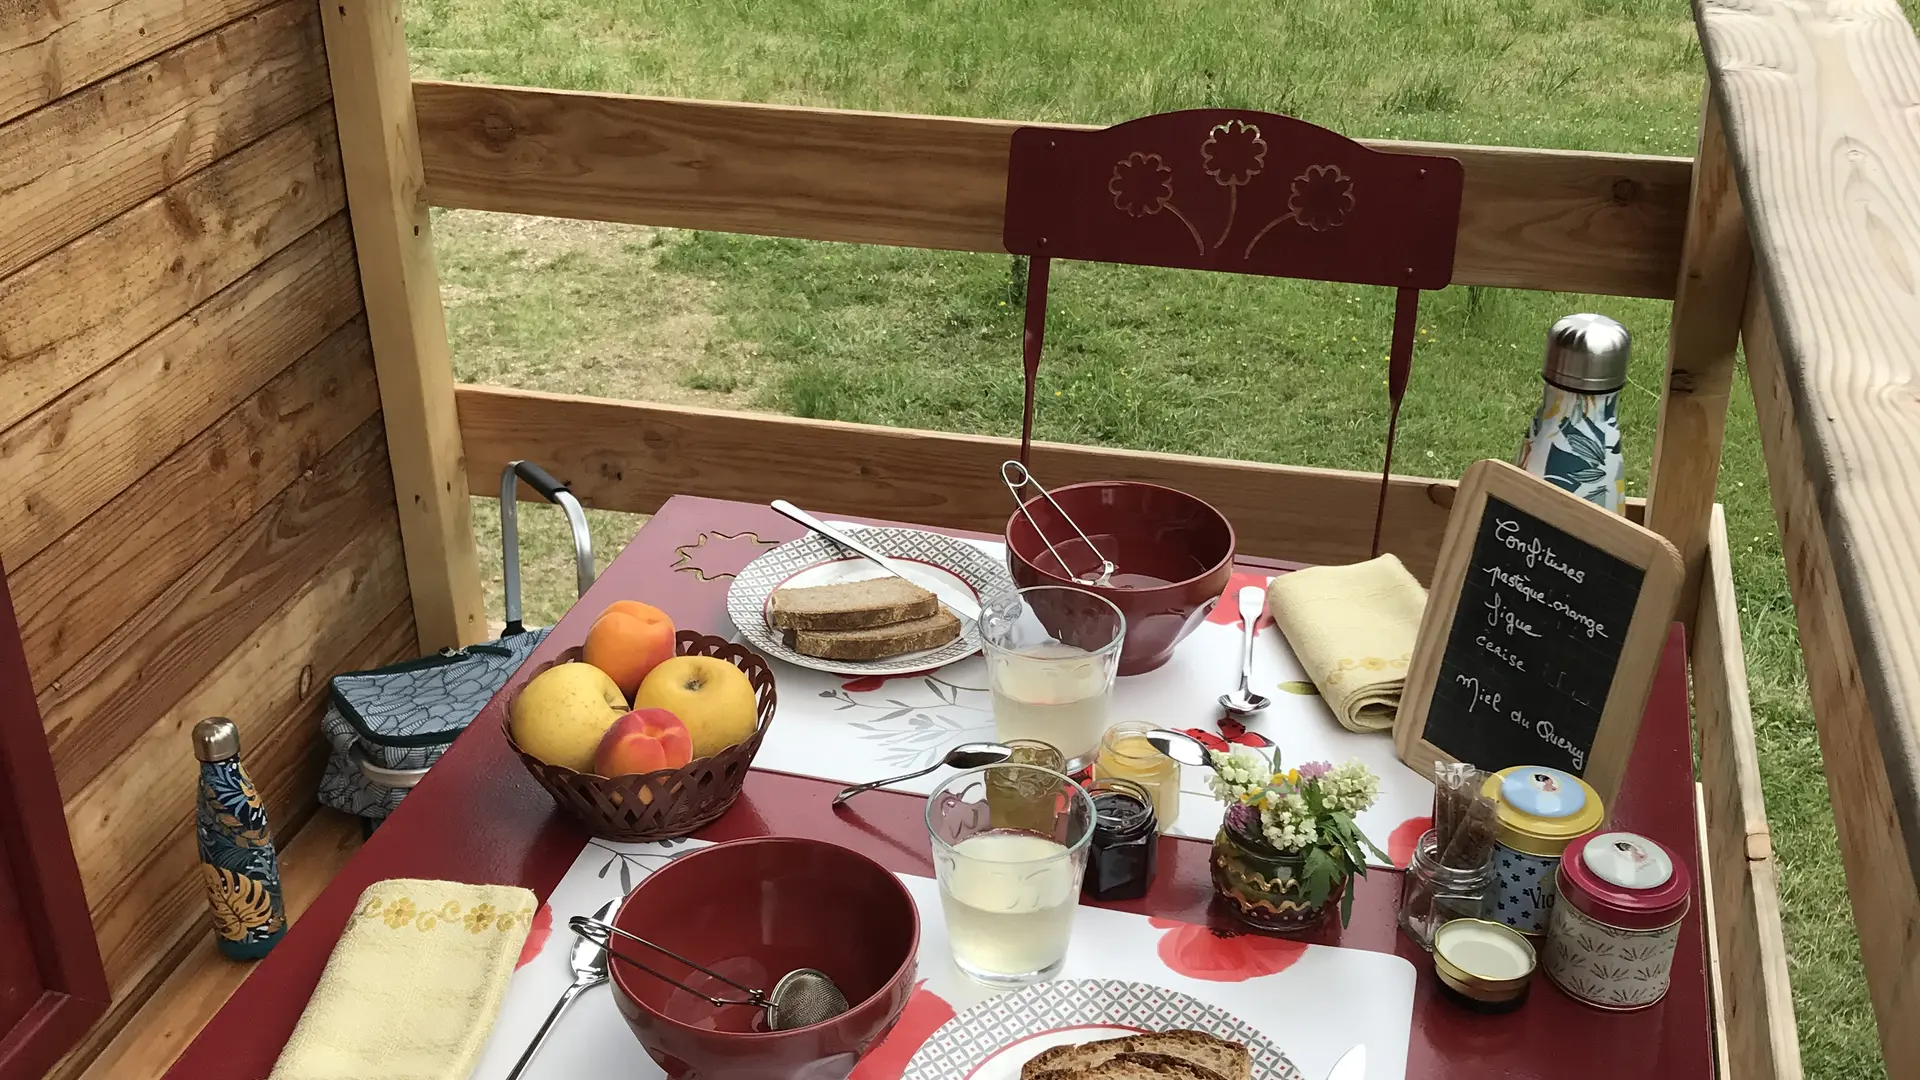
1352	628
414	985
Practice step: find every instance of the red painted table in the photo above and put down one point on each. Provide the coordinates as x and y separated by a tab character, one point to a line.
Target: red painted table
478	817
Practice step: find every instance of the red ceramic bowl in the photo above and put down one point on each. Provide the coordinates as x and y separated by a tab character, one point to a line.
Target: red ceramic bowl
754	910
1175	554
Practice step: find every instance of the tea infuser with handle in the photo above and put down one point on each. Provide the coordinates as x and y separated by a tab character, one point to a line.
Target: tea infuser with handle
1016	477
801	998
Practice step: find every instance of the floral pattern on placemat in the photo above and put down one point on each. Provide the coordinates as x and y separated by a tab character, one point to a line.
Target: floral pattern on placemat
912	734
1220	954
989	1027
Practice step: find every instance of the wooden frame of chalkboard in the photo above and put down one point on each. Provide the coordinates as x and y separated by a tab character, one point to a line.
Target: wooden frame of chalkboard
1542	633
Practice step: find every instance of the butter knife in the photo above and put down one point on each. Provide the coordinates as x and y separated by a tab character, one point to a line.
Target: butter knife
963	606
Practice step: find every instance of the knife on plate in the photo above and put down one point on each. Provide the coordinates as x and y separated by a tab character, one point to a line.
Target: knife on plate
964	606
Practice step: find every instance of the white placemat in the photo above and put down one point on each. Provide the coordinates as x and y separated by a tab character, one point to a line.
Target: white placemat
853	730
1313	1001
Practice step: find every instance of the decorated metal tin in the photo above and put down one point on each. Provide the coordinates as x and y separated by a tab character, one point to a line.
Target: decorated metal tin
1623	897
1541	810
1483	965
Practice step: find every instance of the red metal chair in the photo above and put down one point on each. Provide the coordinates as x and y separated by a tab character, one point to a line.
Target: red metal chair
1247	192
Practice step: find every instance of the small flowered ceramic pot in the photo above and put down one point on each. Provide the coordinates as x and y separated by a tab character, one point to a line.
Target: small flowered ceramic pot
1623	897
1262	886
1540	810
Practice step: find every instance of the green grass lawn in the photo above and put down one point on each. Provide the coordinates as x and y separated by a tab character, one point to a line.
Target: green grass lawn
1162	360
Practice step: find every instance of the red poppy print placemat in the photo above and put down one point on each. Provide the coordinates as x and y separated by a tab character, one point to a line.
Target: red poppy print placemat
1309	1002
852	730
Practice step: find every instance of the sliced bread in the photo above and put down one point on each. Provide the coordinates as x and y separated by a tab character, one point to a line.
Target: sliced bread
853	605
878	642
1228	1060
1135	1067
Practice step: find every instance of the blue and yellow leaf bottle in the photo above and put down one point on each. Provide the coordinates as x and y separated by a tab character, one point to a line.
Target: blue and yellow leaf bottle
237	858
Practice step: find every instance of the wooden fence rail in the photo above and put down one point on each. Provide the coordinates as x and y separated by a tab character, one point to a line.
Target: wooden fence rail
1537	219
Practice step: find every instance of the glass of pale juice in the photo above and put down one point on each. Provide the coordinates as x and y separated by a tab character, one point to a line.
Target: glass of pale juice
1009	893
1052	652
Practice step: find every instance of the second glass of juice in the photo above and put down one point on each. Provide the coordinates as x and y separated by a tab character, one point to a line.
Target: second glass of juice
1052	652
1009	893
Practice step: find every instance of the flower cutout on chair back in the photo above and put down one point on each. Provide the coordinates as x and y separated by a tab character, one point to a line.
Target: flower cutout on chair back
1227	189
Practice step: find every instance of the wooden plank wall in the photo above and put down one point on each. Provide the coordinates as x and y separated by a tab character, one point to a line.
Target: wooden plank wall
198	514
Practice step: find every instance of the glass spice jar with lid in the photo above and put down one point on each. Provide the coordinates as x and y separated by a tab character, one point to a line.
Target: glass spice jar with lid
1433	894
1122	855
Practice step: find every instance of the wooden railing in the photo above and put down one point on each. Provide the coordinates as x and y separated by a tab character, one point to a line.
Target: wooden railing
1586	222
1530	219
1819	102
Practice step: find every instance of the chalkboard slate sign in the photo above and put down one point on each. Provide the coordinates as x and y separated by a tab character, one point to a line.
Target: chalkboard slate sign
1542	633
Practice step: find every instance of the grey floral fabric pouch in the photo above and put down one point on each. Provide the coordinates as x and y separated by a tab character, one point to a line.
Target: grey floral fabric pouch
387	725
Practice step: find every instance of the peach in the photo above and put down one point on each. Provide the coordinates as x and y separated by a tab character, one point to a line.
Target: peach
643	741
627	641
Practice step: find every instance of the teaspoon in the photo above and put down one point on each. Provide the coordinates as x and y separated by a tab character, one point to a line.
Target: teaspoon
589	962
972	755
1244	702
1179	746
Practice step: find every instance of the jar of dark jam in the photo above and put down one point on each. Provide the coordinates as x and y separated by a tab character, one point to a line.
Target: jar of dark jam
1126	838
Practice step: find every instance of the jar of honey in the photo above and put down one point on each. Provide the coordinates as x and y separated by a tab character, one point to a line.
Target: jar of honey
1025	798
1125	754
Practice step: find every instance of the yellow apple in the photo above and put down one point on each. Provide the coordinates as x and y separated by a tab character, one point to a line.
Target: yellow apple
712	697
563	712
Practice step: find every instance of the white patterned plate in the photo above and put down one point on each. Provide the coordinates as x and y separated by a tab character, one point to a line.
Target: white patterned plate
950	567
994	1038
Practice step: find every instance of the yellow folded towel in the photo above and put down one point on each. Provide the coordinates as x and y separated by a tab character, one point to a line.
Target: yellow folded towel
1352	628
414	985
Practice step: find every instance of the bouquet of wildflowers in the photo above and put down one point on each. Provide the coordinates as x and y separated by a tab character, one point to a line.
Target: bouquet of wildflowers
1308	809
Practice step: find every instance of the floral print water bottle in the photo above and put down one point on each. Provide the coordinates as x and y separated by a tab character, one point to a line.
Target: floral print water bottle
237	859
1574	440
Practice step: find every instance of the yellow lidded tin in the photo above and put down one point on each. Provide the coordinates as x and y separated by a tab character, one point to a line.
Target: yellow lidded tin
1540	812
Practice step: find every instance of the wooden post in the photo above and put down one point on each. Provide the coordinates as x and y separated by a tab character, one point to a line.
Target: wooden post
380	152
1708	302
1880	878
1817	101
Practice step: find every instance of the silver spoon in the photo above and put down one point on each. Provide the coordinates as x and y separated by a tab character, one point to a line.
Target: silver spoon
1244	701
589	961
1179	746
968	755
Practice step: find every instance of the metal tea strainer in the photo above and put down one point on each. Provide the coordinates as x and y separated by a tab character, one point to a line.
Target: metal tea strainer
1016	477
801	998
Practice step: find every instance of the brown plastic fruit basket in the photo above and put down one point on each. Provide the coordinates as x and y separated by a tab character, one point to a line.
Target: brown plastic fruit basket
669	803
